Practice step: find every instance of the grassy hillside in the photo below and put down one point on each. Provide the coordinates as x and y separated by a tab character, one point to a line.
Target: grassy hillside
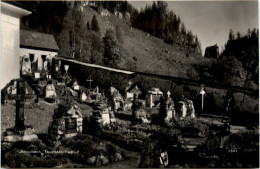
143	52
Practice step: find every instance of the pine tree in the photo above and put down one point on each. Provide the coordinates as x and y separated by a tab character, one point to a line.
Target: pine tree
111	53
94	24
88	26
238	35
249	32
231	35
254	33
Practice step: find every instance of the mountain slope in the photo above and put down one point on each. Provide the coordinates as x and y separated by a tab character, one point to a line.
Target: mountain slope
142	52
139	51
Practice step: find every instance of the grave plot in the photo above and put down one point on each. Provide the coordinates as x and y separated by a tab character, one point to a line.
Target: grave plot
80	151
64	146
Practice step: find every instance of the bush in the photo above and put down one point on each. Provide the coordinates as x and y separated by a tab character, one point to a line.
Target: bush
193	127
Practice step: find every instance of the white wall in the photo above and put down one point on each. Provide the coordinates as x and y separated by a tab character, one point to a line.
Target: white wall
10	42
37	55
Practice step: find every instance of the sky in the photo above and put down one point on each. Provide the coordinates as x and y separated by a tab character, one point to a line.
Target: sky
212	20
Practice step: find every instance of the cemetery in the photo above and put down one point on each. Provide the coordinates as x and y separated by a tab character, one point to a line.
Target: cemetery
51	119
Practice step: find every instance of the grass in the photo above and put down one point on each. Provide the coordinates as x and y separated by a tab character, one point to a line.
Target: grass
37	115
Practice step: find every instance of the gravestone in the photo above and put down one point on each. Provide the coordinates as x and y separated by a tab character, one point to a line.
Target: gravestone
67	119
170	112
89	80
75	86
50	93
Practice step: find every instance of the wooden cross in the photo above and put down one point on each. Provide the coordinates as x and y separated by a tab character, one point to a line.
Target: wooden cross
89	80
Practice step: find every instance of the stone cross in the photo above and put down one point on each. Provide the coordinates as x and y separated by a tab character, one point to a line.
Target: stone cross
168	94
89	80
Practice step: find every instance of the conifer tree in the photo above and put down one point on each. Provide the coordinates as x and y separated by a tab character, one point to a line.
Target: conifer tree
94	24
88	26
238	35
231	35
111	53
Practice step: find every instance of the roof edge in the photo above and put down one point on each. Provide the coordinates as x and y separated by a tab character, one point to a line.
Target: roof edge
39	48
13	10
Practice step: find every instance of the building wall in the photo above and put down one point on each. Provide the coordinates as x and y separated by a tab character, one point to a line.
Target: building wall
10	38
37	55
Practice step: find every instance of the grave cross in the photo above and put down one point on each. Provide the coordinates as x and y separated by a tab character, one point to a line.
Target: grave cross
202	92
20	99
89	80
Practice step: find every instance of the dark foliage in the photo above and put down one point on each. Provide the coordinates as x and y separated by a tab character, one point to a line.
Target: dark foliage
229	70
157	20
113	6
246	50
111	53
94	24
46	16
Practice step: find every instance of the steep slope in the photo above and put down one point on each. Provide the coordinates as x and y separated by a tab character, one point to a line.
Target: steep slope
142	52
139	51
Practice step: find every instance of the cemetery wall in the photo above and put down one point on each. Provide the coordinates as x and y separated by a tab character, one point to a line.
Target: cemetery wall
102	78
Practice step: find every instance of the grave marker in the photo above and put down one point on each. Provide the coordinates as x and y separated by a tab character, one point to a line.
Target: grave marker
20	132
202	92
89	80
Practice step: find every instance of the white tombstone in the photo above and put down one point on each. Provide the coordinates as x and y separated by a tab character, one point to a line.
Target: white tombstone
66	68
75	86
50	91
191	109
183	109
105	118
83	96
36	75
169	114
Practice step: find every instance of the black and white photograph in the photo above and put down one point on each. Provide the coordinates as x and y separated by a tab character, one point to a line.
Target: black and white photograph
129	84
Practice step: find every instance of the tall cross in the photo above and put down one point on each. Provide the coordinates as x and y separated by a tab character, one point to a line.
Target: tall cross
21	97
202	92
89	80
